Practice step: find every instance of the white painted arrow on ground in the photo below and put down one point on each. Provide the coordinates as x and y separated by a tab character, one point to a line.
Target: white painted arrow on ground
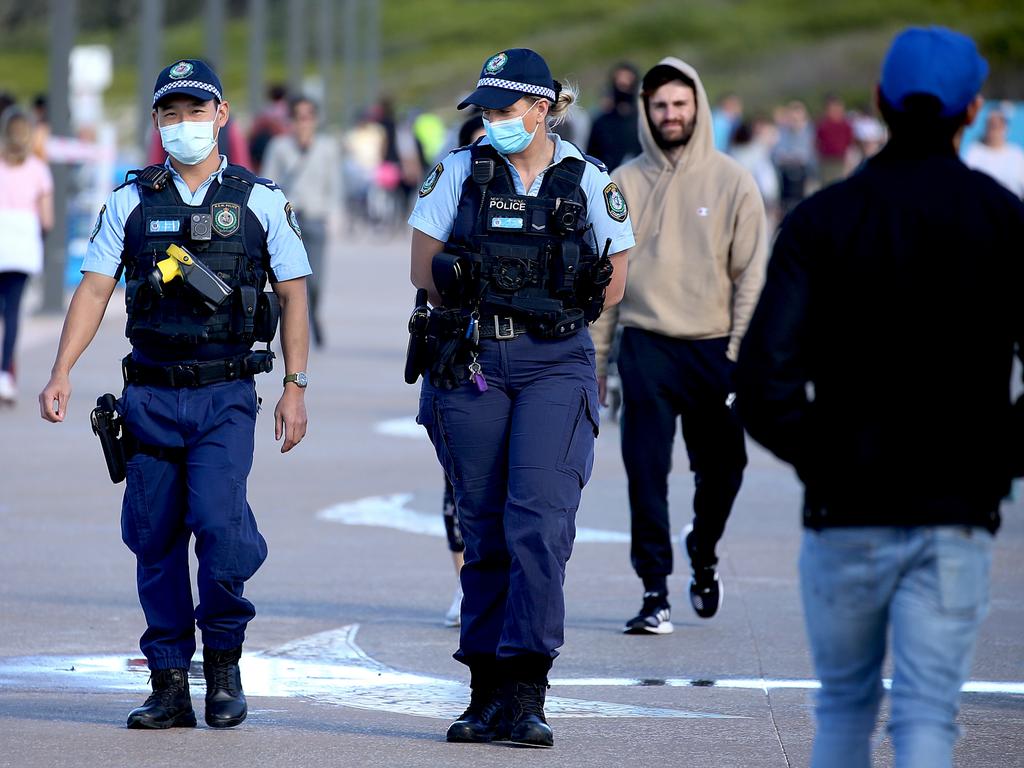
392	512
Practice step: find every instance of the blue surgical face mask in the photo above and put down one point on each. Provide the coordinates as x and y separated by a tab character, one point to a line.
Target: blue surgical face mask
189	142
510	136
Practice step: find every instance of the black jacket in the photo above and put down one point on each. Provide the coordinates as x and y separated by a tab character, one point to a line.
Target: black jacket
878	360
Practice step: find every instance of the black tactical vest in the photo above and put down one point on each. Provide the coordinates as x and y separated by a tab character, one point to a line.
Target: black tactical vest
526	252
178	326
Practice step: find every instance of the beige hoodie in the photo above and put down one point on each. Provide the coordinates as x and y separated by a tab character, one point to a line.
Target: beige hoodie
701	240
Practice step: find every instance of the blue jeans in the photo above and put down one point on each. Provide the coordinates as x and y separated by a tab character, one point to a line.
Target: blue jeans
929	585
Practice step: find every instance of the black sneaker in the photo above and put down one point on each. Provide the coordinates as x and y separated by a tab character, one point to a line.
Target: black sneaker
706	590
169	706
654	617
484	718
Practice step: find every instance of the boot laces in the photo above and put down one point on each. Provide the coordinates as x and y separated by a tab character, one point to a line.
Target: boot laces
529	700
166	694
483	703
224	677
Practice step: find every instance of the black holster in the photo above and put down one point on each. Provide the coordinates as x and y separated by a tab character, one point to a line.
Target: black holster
108	426
416	357
448	348
118	444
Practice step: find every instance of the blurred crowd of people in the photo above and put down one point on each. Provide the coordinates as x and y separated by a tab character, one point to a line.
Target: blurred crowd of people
366	177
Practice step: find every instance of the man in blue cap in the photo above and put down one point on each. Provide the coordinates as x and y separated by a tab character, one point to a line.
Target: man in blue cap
197	240
877	363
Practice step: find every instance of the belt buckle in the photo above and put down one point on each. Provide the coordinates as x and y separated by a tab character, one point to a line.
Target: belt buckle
511	329
183	376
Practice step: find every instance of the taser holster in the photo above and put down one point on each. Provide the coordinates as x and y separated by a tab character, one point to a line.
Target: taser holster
198	277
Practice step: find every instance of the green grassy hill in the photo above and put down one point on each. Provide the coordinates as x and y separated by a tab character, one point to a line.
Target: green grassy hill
432	49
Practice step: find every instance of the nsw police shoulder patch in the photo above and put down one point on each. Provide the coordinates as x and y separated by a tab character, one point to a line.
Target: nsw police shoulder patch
99	223
226	218
615	203
293	220
431	181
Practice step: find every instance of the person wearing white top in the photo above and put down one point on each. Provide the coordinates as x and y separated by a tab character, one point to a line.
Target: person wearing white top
999	158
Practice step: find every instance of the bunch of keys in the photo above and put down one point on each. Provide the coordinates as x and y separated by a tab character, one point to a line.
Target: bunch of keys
475	371
476	375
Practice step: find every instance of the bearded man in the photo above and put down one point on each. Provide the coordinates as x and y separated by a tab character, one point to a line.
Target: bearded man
694	278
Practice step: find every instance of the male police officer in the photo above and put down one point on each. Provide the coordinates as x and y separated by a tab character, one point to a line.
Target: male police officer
189	400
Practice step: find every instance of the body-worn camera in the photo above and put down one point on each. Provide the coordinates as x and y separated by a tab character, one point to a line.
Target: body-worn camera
567	216
201	226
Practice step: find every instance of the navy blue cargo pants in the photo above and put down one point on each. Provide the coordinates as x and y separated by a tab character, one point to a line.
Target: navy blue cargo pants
664	379
166	503
518	456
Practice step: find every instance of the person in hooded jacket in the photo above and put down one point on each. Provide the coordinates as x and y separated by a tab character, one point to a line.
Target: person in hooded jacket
694	278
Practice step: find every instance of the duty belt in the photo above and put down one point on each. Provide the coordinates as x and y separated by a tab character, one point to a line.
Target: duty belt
197	374
501	328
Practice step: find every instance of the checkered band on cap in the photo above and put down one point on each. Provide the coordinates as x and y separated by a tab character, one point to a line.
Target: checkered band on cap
178	85
512	85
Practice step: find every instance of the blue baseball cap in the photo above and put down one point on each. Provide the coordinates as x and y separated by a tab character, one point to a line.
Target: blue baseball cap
934	61
507	76
190	77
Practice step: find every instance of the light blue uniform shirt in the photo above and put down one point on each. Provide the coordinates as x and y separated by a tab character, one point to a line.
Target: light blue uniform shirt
434	214
287	254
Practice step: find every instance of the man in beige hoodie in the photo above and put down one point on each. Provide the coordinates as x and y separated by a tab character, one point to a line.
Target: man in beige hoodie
694	278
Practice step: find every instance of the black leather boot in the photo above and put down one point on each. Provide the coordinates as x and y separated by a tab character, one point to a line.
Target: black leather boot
526	714
484	718
225	700
170	704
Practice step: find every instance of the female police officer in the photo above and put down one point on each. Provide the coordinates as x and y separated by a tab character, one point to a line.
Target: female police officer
512	238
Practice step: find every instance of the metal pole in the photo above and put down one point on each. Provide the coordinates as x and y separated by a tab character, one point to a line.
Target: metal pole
325	56
350	54
296	46
62	36
150	55
215	34
257	54
373	51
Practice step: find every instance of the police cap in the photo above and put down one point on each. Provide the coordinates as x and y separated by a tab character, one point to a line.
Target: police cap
507	76
190	77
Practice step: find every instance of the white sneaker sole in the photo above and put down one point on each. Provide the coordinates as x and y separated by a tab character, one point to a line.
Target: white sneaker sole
665	628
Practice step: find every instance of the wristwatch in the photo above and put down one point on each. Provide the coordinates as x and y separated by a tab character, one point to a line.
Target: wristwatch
300	379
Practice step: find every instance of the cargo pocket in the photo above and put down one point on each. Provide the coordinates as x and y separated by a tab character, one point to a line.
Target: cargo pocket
430	417
136	532
581	430
238	549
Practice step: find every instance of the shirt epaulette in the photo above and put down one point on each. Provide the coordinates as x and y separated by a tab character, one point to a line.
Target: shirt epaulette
268	183
589	158
593	160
